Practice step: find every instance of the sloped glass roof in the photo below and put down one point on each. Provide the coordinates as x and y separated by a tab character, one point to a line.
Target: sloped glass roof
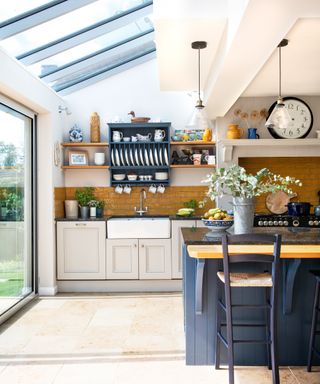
89	39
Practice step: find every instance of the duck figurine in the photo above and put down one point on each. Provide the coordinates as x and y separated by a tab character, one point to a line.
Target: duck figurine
135	119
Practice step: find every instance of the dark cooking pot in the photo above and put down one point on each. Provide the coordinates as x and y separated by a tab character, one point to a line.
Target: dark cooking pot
298	209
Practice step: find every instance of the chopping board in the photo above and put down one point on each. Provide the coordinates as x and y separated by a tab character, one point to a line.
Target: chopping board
277	202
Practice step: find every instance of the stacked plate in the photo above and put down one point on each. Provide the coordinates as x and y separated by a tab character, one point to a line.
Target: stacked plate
127	156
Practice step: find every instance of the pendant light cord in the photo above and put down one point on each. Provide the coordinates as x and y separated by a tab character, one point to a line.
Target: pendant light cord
280	72
199	73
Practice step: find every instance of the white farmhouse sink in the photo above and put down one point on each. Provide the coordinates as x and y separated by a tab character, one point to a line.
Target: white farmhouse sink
138	227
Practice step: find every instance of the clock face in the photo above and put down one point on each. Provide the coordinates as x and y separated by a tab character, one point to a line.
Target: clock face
301	116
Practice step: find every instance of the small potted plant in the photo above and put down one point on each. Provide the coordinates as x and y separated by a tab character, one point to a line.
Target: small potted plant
84	196
93	204
14	206
100	208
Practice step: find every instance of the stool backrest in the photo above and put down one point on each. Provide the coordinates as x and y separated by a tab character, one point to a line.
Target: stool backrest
253	239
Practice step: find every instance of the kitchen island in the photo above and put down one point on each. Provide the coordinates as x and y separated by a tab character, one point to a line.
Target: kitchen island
202	258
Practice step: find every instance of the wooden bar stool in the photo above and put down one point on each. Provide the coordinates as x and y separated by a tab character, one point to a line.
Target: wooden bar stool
232	280
316	309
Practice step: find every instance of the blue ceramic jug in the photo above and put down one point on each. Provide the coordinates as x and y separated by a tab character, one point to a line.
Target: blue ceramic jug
252	133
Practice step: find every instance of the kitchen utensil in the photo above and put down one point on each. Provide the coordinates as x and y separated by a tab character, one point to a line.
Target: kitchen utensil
277	202
161	188
121	157
117	157
112	157
131	157
161	175
117	136
126	156
127	189
118	189
153	188
146	157
156	160
299	208
317	207
141	156
119	177
132	177
144	137
151	157
166	156
99	158
217	225
136	157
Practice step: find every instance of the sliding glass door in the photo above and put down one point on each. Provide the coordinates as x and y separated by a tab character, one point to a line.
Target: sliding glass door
16	207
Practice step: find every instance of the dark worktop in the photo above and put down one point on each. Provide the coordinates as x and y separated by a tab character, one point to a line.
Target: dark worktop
203	236
105	218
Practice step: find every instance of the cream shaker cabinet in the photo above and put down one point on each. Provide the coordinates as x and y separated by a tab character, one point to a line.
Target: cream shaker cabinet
122	259
154	259
81	250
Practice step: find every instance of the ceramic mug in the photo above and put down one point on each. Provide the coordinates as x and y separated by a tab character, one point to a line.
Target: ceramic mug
161	188
99	158
159	135
210	159
196	158
118	189
153	188
127	189
252	133
117	136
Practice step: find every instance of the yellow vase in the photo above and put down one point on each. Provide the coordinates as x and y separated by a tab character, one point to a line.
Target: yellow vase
207	135
234	131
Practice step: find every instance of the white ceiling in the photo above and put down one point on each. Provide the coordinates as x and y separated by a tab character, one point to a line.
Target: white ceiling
300	64
241	58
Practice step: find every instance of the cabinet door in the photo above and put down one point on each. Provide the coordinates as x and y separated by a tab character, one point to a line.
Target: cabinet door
122	259
176	245
81	250
155	259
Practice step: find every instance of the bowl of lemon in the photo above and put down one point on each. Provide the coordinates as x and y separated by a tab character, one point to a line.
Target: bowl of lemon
216	219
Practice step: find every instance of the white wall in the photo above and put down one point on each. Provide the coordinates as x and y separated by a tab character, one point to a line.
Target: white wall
136	89
248	104
22	87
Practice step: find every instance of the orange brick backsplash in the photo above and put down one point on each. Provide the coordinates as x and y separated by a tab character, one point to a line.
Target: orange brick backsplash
306	169
123	204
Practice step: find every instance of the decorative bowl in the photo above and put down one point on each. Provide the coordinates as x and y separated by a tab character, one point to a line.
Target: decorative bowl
218	225
132	177
119	177
161	175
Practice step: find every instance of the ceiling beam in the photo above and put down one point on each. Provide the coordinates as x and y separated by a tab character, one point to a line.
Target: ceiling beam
39	15
85	34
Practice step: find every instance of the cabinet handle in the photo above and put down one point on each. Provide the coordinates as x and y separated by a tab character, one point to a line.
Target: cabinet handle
81	224
142	245
135	245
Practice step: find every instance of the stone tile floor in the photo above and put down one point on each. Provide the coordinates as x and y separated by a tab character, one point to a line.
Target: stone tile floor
111	339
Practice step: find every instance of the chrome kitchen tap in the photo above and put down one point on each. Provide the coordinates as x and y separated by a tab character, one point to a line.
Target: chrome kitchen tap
141	210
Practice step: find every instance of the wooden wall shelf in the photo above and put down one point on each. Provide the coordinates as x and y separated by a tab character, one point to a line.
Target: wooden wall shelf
85	167
198	142
84	144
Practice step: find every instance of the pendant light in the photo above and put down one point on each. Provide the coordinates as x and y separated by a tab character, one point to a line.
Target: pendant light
199	119
279	116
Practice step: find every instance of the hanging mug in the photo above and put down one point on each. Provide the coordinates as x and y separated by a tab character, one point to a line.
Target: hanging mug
118	189
153	188
161	188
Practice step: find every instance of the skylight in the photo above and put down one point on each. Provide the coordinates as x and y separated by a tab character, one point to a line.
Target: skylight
79	39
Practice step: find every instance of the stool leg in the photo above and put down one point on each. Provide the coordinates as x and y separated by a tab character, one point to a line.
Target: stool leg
313	326
218	327
273	334
267	316
229	333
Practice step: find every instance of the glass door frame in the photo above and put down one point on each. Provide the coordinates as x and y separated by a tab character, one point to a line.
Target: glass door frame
16	107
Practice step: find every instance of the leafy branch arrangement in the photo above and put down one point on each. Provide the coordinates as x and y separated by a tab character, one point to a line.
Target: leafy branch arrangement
235	181
253	118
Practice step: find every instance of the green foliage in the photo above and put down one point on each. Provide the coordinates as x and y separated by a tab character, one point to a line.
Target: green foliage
93	203
84	196
101	204
236	182
13	201
191	204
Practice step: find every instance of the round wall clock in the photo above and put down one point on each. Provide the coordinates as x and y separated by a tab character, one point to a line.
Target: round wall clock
302	120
